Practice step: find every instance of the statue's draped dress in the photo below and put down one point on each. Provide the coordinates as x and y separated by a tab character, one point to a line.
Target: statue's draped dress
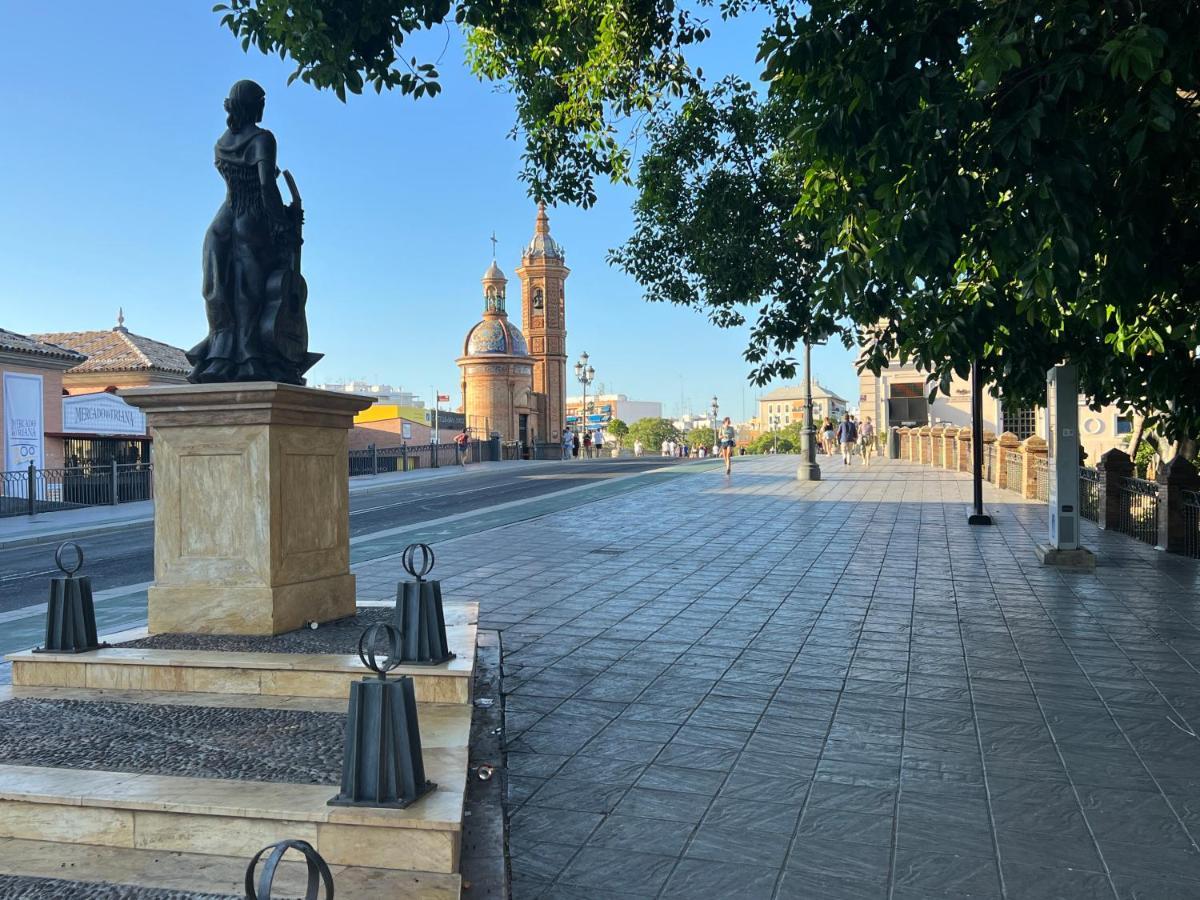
239	256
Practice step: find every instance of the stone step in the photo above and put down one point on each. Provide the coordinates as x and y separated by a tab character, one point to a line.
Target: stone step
221	817
85	864
236	672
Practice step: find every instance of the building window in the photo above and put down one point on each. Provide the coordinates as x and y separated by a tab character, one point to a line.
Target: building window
1021	421
1124	424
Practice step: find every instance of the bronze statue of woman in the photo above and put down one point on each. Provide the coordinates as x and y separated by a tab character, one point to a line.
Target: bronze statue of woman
254	294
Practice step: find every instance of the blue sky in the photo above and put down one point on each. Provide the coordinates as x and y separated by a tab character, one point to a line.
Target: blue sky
108	185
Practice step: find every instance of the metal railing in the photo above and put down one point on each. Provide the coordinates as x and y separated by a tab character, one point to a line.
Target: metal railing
1014	472
33	490
379	460
989	463
1191	523
1089	493
1139	509
1041	478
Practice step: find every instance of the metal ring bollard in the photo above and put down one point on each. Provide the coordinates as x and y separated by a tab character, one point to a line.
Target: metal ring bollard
366	648
408	560
318	870
58	558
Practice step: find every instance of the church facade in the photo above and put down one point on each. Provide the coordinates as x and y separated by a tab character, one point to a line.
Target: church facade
514	380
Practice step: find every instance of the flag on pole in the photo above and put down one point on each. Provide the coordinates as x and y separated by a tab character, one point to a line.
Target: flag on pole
443	398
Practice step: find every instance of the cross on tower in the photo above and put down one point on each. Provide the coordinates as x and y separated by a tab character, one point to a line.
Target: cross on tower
494	243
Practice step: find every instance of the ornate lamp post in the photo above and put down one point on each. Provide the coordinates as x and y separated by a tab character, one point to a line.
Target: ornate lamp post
715	408
808	470
586	375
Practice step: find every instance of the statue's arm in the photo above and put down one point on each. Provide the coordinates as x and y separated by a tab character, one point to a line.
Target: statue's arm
281	224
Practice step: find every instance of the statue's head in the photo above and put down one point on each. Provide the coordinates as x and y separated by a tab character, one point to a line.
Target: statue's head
244	105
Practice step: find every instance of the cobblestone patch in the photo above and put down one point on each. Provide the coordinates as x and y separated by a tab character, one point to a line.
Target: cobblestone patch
15	887
333	637
292	746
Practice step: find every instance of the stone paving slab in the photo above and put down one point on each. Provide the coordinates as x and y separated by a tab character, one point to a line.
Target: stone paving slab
763	688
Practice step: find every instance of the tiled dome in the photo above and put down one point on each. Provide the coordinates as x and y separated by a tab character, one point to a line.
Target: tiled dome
495	337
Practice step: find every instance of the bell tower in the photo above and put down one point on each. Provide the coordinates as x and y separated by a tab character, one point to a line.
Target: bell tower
543	273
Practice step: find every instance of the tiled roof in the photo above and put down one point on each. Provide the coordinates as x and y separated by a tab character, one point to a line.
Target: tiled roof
119	350
12	342
796	392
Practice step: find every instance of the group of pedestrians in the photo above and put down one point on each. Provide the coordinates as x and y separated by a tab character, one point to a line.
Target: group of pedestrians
847	437
590	445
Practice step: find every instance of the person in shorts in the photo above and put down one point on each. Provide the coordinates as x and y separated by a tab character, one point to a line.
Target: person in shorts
727	439
866	440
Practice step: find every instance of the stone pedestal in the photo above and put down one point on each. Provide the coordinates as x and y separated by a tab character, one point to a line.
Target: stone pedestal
251	506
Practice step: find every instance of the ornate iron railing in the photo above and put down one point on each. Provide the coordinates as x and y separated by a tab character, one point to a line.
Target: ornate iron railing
32	490
1089	493
1191	524
1041	477
1139	509
1014	473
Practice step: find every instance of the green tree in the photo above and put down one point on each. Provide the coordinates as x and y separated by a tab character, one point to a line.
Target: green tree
618	430
1010	182
652	432
782	443
577	69
702	436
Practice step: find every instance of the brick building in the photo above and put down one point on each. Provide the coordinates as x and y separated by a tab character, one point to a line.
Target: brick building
511	386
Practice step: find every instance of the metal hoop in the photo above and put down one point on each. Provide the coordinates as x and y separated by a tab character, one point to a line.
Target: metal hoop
59	562
366	648
409	560
318	870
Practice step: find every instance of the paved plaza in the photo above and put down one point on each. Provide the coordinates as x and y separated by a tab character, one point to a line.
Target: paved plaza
761	688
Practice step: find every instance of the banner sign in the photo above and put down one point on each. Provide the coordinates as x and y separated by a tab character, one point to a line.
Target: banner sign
102	414
23	426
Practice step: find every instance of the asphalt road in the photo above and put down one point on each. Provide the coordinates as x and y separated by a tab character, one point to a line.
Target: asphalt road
126	556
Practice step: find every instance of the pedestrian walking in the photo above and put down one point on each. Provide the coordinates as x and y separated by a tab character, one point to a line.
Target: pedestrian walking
666	448
637	448
847	437
568	443
461	441
827	436
727	438
866	440
575	446
598	442
587	444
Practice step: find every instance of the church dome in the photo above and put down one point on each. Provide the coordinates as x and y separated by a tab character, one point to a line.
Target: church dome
495	337
493	273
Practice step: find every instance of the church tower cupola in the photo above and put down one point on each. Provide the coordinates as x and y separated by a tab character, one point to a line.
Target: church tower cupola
494	287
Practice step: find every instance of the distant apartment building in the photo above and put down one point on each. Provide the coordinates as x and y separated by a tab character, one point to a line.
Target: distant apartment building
785	406
381	393
603	408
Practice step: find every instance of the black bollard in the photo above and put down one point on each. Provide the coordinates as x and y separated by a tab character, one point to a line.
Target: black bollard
70	614
419	615
318	871
382	764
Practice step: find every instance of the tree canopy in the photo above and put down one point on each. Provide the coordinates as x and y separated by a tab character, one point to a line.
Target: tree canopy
652	432
938	180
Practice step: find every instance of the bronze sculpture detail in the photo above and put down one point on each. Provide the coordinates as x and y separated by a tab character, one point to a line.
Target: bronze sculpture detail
254	294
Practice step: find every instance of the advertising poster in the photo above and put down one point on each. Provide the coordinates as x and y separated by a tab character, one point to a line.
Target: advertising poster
23	427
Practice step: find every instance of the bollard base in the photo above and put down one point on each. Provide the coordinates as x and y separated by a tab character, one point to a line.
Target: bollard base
979	519
1080	560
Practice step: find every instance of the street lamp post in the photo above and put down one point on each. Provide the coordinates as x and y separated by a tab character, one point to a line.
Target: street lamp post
808	469
586	375
715	408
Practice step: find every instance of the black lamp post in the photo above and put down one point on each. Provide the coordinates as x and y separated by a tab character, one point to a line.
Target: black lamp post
808	470
586	375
